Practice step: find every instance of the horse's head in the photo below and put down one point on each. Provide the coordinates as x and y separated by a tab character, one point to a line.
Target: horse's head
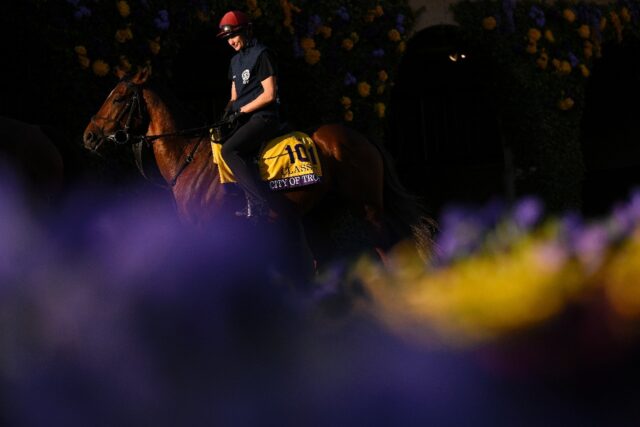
122	114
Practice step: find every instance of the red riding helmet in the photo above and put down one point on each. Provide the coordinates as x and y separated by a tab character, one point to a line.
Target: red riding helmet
232	23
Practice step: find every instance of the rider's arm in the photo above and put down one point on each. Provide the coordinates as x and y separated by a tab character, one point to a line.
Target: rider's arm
234	95
267	96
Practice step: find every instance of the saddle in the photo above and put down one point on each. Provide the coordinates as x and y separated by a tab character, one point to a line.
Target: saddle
285	162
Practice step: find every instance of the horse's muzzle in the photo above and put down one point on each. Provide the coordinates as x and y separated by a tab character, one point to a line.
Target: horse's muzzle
90	140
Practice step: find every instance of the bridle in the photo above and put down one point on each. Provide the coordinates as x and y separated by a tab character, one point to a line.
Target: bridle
122	136
135	104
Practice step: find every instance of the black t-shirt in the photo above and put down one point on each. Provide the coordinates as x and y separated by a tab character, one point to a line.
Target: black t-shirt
265	67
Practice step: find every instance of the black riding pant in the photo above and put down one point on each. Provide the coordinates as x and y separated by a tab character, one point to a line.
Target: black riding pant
240	150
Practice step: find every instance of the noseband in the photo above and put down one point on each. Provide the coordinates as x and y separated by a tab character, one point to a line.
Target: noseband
133	104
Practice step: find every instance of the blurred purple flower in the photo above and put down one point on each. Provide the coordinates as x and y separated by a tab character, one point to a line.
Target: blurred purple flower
298	52
343	13
537	15
634	205
461	232
315	21
349	79
162	21
400	28
508	7
400	19
378	53
573	60
527	212
82	12
590	246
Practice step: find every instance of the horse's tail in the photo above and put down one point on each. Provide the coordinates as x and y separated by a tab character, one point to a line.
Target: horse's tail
405	211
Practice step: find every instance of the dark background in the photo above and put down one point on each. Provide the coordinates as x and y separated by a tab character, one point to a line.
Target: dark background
445	128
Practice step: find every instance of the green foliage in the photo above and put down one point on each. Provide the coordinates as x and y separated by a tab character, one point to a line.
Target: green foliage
545	52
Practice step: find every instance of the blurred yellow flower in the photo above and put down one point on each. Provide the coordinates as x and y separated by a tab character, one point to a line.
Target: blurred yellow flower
347	44
532	48
125	65
569	15
617	25
588	49
370	16
394	35
543	60
354	36
620	279
256	13
325	31
378	11
584	31
154	46
100	68
364	89
380	90
379	108
489	23
307	43
312	56
382	75
252	4
123	8
548	35
348	116
84	61
402	46
603	23
565	67
556	63
80	50
121	36
202	16
481	297
584	70
346	102
625	15
534	35
565	104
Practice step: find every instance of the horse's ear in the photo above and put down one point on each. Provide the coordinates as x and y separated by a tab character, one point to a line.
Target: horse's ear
142	75
120	73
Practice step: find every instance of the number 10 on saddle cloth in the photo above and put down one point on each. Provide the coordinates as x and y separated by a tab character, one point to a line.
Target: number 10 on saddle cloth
288	161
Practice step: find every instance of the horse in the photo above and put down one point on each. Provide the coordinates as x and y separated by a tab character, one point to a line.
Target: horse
358	179
34	158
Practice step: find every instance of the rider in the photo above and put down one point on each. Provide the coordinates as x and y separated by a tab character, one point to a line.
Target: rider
254	106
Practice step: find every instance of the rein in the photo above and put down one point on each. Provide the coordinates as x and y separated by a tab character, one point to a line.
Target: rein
123	137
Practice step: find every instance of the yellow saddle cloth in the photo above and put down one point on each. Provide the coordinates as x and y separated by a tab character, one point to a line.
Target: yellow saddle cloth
288	161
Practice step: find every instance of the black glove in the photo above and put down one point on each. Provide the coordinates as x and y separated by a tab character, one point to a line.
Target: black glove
234	117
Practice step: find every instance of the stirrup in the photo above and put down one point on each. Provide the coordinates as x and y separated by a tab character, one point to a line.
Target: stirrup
252	209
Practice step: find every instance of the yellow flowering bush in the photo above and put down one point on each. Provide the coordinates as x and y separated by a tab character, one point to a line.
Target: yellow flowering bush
546	50
329	46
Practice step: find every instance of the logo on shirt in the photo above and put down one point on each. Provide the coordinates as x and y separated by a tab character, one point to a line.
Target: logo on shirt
245	76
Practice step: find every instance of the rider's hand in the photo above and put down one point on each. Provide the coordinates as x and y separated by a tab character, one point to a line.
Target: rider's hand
234	116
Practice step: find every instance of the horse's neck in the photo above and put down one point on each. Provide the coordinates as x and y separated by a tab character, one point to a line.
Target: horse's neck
168	150
198	184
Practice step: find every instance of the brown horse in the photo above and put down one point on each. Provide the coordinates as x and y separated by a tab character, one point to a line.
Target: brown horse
356	176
